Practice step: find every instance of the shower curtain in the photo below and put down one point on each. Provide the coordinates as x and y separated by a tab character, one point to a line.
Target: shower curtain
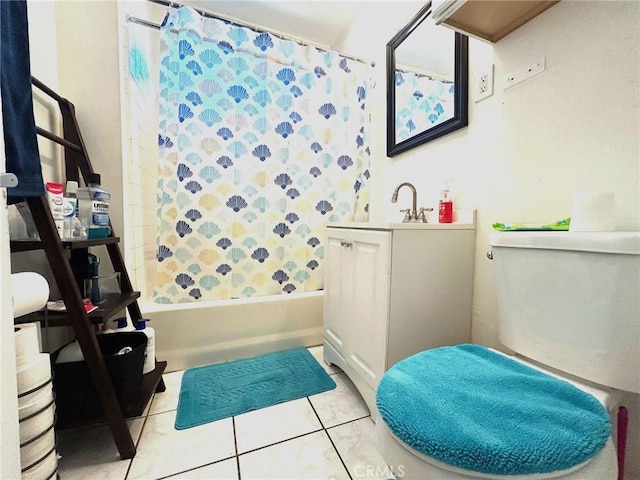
262	142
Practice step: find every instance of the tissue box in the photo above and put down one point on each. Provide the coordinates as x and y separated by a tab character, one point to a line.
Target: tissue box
76	396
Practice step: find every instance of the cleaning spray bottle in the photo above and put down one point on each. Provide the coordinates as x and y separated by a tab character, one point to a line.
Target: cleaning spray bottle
150	353
445	210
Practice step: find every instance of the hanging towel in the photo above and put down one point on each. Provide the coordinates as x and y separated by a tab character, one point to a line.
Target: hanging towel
20	143
476	409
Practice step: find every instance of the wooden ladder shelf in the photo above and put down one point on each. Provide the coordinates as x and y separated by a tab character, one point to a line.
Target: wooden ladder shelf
84	325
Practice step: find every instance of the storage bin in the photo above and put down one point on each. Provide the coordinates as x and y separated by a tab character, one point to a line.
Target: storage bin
76	397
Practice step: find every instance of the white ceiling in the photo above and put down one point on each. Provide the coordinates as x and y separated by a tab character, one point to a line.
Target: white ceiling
318	21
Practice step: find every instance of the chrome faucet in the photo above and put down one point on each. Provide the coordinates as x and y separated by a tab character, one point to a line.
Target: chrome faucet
411	215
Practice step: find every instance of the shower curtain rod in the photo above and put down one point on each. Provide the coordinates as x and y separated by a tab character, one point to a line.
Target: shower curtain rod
255	28
140	21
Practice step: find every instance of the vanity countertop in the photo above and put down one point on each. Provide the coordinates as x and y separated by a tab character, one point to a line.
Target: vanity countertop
463	220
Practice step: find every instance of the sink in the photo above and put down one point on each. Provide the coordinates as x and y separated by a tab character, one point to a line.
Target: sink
463	220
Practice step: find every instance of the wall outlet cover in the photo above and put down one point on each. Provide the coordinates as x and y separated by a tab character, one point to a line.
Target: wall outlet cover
484	83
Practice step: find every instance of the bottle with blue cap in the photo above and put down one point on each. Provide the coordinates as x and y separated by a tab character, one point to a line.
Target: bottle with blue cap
150	352
122	325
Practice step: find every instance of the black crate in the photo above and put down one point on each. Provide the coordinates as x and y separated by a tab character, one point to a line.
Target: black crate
76	397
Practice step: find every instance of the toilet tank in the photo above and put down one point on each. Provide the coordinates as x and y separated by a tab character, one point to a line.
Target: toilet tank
572	301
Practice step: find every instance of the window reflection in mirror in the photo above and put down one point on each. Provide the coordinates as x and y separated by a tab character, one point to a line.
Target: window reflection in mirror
427	83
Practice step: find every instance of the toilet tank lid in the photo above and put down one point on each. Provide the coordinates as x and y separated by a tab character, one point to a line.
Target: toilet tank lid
604	242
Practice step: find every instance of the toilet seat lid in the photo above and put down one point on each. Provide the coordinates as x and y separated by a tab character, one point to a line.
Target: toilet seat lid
478	410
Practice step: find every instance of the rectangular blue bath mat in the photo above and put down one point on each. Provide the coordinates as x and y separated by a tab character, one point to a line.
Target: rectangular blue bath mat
226	389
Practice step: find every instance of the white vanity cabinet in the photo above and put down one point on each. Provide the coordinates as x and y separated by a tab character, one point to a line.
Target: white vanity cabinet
391	291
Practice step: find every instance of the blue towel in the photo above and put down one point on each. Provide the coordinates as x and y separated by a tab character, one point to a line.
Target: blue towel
475	409
20	143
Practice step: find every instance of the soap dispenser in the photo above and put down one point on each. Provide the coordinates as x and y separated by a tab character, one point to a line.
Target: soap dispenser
445	207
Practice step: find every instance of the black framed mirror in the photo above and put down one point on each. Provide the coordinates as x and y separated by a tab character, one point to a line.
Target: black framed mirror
427	83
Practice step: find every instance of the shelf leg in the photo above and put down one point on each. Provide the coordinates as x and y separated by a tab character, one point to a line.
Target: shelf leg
161	386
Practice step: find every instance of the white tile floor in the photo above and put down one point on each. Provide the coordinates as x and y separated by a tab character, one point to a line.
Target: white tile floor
325	436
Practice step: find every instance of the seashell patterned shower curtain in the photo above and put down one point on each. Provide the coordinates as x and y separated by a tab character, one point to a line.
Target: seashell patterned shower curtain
262	142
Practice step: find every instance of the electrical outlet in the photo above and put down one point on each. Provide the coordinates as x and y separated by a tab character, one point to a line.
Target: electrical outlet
484	83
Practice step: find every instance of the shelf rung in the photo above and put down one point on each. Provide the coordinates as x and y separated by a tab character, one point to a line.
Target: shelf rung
55	138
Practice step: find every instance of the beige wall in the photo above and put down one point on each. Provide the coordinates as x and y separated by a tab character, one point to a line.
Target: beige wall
74	50
529	149
43	54
88	76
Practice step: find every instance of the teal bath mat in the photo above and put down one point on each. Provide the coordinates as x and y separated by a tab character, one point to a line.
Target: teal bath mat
226	389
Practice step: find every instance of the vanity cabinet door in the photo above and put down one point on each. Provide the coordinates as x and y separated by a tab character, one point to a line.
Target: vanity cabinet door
336	295
370	257
356	304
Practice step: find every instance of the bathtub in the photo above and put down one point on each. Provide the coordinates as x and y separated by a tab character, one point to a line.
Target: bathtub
195	334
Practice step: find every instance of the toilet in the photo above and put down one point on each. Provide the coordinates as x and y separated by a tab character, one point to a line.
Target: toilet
568	308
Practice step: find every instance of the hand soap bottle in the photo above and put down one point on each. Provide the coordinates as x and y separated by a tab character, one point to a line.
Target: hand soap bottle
445	208
122	325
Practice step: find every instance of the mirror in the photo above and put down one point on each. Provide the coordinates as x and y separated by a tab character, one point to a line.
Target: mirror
427	83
